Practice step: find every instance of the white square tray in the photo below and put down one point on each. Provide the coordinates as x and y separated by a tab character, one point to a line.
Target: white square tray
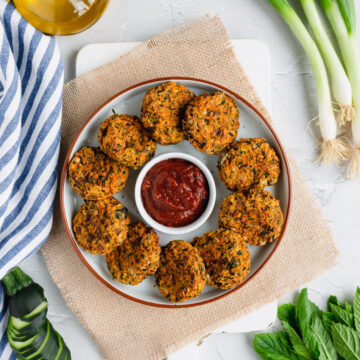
254	57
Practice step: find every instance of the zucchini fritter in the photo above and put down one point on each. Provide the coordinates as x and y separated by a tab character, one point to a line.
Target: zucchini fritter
101	225
137	257
123	138
94	176
256	216
249	163
226	257
211	122
162	112
181	274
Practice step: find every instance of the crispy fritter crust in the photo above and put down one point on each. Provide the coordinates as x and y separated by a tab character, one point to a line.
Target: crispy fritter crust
211	122
94	176
256	216
181	274
249	163
124	139
101	225
162	112
226	257
137	257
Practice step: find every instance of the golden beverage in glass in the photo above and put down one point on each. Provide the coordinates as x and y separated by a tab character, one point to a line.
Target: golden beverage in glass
61	17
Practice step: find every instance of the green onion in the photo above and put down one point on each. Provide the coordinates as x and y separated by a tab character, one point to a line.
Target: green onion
341	15
332	149
340	83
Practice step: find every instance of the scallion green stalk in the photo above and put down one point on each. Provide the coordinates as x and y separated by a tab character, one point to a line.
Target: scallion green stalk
342	17
340	83
332	149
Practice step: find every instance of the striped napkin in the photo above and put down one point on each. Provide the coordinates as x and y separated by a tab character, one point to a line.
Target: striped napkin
31	83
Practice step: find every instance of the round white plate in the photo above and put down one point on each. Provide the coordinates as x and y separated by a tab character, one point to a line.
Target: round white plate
252	124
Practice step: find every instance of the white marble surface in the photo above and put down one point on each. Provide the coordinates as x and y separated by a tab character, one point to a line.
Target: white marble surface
293	104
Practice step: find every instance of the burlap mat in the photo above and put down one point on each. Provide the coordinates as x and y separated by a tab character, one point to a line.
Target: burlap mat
124	329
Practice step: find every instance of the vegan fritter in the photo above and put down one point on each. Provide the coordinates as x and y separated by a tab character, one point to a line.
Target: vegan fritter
94	176
124	139
256	216
226	257
137	257
211	122
101	225
249	163
181	274
162	112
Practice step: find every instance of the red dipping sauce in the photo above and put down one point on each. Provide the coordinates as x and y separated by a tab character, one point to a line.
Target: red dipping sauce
175	192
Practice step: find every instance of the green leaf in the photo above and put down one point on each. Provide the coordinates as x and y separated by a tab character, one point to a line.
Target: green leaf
318	340
287	315
287	312
334	300
274	346
349	308
324	346
342	315
310	341
347	9
357	309
297	343
328	319
346	342
305	311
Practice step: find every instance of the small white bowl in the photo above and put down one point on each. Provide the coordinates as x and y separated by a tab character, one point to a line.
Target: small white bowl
175	230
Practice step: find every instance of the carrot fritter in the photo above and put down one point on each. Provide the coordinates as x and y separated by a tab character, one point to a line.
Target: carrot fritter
226	257
256	216
124	139
162	111
211	122
101	225
94	176
249	163
137	257
181	274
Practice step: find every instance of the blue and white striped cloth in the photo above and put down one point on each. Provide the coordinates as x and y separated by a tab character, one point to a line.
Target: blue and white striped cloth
31	83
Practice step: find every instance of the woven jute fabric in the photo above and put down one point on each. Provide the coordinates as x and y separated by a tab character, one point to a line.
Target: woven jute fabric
127	330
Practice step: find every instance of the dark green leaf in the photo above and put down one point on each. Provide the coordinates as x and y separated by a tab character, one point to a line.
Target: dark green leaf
349	307
328	319
346	342
357	309
310	341
324	347
305	311
287	312
274	346
334	300
318	340
297	343
342	315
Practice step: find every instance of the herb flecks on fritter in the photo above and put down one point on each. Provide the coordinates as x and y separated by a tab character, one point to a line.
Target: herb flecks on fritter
123	138
255	215
211	122
226	258
93	175
249	163
162	111
137	257
181	274
101	225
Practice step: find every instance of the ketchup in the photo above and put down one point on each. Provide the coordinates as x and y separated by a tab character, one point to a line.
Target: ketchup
175	192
